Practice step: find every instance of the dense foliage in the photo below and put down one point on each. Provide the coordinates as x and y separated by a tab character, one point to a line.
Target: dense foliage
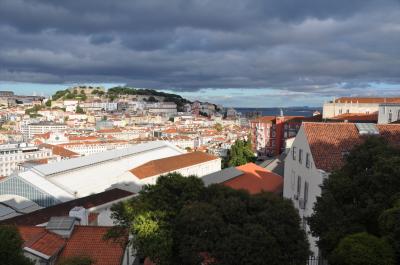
67	94
180	221
362	249
11	247
168	97
357	197
240	153
77	260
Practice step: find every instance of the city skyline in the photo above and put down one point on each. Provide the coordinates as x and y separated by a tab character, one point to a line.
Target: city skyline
243	54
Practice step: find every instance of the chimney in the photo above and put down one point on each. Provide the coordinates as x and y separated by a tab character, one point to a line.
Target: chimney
81	214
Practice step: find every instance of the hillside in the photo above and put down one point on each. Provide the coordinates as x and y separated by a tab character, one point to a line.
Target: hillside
115	92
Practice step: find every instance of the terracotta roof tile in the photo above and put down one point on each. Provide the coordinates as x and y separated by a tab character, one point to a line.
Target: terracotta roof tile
372	117
60	151
42	240
88	241
367	100
170	164
256	179
329	141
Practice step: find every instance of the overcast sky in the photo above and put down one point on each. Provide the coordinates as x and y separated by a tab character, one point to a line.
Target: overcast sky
255	53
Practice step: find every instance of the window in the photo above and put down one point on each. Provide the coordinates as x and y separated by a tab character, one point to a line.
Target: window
390	118
308	160
294	153
298	186
305	193
300	156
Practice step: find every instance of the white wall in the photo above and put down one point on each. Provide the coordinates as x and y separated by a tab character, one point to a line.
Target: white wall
332	109
387	111
311	175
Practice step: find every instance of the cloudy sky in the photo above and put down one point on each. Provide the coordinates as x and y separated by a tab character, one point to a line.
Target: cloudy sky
256	53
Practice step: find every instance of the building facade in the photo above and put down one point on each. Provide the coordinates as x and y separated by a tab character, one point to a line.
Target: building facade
346	105
388	113
13	155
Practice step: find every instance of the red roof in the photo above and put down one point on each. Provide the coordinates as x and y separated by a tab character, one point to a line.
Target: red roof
256	179
367	100
88	241
372	117
42	240
60	151
170	164
329	141
84	241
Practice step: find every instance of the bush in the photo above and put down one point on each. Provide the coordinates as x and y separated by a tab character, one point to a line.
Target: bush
362	249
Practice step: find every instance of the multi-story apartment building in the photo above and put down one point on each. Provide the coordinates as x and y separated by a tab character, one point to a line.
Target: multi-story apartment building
12	155
269	133
319	149
347	105
29	130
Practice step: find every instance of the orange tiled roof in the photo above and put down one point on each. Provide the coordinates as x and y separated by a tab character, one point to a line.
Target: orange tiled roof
42	240
82	138
60	151
170	164
367	100
329	141
256	179
114	130
264	119
357	117
88	241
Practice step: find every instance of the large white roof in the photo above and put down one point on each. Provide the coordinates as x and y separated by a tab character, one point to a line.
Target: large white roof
80	162
79	177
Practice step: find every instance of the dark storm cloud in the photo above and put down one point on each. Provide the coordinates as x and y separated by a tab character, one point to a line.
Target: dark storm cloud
315	46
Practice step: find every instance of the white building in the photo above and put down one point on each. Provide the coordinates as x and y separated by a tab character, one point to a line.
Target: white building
166	108
31	129
388	113
78	177
197	164
354	105
100	106
318	149
94	147
12	155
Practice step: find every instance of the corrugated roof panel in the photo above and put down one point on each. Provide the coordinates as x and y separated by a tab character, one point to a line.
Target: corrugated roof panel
65	165
221	176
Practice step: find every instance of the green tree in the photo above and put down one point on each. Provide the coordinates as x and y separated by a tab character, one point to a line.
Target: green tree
11	247
354	197
218	127
180	221
389	224
240	154
79	110
362	249
48	103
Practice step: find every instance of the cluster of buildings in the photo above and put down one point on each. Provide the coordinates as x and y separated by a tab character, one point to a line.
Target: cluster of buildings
62	169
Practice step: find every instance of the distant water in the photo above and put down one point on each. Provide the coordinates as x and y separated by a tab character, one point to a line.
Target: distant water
292	111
